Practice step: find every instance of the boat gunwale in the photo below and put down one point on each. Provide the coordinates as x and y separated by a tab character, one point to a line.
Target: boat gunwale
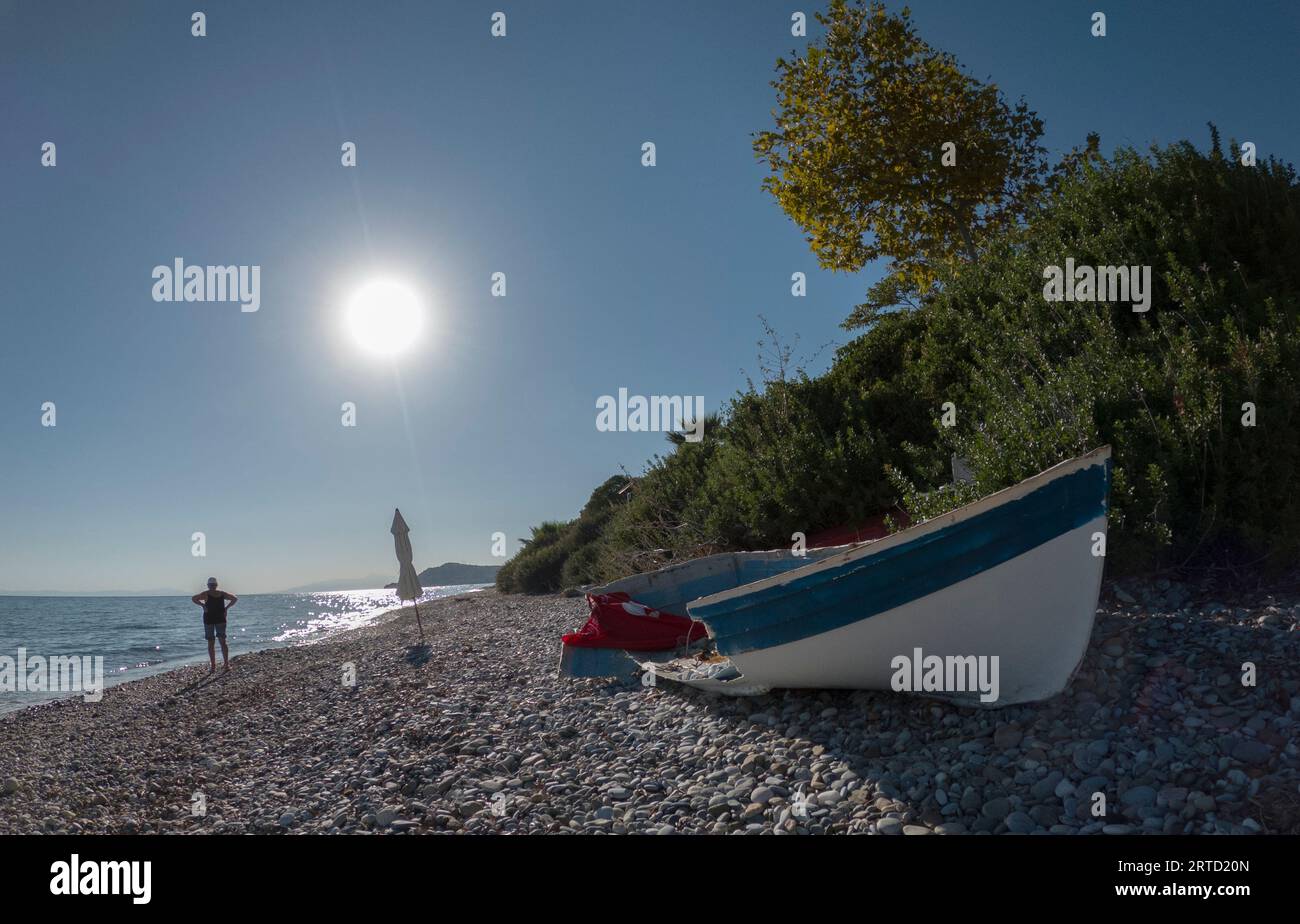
911	533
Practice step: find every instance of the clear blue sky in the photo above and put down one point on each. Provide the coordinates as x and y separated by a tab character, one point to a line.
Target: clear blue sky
476	155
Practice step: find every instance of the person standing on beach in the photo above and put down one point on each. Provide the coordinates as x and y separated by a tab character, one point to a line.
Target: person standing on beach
214	603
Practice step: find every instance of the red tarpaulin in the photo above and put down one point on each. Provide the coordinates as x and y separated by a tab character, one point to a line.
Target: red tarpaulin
617	622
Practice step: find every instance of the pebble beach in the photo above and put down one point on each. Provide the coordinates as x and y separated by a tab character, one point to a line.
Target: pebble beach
475	734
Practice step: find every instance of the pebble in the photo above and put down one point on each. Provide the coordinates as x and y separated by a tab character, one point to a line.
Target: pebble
1250	751
996	808
1020	823
481	737
1139	796
1007	737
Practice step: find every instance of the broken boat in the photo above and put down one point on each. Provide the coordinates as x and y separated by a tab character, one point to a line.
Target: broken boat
1013	577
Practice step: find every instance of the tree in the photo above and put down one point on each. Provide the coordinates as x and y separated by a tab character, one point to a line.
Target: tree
858	157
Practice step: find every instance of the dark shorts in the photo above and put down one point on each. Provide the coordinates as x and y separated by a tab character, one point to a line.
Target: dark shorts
213	630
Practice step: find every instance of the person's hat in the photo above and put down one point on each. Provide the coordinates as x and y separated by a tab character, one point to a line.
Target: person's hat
212	582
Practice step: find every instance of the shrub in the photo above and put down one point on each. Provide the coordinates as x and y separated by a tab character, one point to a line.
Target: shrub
561	554
1166	388
536	569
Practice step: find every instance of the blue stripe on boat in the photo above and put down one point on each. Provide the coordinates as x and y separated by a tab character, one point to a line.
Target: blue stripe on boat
673	597
595	662
816	603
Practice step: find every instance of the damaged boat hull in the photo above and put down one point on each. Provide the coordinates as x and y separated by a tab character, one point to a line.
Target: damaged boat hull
671	589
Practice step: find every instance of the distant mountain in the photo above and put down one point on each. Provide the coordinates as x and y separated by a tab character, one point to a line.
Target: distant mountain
453	572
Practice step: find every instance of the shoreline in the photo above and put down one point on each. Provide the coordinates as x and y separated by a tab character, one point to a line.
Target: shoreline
478	735
198	660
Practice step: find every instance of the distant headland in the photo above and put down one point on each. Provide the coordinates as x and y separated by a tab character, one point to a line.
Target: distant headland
453	572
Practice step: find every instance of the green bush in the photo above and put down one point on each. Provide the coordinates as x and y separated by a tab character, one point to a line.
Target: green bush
562	554
801	455
536	569
807	453
661	520
1050	380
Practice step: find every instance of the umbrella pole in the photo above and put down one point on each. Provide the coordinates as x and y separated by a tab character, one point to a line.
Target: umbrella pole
417	618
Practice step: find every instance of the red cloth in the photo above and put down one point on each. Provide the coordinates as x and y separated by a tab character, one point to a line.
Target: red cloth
617	622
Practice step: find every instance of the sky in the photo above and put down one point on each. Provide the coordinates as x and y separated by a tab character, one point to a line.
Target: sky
475	155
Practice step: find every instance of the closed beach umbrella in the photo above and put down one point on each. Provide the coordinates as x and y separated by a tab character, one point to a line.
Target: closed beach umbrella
408	584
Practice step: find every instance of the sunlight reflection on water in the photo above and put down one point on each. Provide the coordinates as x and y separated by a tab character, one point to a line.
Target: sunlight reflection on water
139	636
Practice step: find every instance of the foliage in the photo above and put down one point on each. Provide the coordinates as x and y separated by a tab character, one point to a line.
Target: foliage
857	155
537	567
1166	388
562	554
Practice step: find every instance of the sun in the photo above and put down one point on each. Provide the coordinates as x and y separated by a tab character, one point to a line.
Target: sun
385	317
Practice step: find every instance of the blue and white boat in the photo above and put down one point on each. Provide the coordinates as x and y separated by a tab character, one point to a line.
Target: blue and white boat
1007	585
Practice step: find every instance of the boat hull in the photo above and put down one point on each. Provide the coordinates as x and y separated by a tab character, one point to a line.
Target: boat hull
1034	614
1014	577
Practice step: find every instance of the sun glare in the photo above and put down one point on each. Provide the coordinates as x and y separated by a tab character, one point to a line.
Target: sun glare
384	317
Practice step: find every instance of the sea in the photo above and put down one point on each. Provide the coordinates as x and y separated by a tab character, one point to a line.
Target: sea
139	636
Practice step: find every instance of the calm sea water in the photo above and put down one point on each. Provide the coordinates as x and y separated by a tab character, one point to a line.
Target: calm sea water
138	636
